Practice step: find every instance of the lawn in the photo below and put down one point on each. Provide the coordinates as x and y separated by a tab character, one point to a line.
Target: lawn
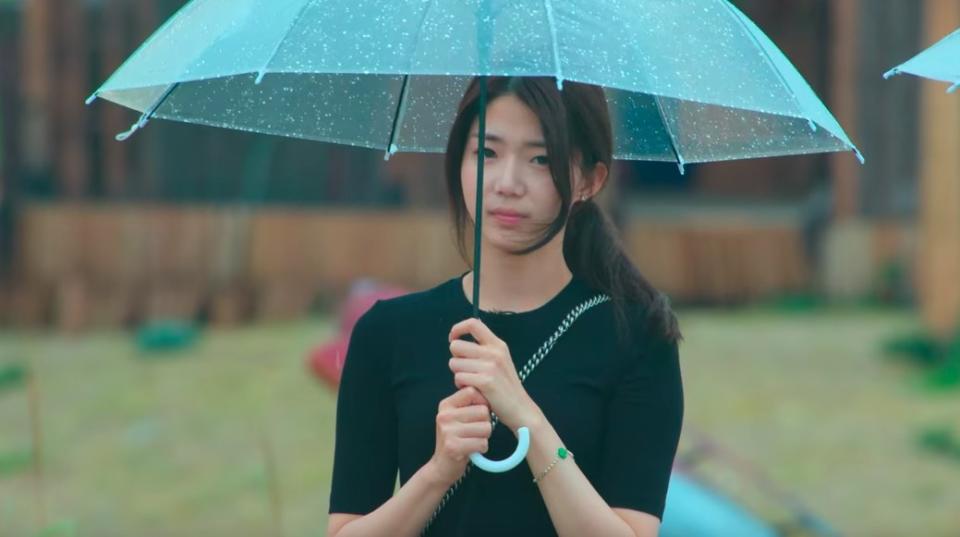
183	444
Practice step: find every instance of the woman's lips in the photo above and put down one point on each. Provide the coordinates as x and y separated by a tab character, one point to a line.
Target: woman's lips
507	219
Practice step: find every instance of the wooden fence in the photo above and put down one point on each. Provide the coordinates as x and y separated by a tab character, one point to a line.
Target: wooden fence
82	265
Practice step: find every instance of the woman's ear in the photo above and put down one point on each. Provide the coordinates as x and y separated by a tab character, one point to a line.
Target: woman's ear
600	174
590	188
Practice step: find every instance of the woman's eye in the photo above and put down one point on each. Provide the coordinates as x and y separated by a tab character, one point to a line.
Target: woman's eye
544	159
487	152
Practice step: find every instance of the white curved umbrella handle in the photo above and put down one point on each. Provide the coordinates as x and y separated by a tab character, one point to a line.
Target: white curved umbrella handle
523	445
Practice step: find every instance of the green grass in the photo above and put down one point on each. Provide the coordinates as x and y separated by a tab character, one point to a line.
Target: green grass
170	447
145	447
812	401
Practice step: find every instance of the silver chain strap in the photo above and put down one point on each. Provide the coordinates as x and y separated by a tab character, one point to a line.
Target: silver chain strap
523	374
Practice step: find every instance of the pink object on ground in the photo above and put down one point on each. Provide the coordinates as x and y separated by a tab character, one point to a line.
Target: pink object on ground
326	360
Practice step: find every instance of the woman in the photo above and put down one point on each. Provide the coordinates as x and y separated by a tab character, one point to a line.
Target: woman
416	398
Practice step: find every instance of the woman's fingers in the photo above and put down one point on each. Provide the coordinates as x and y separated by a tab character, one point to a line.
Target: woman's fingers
463	397
474	429
449	424
462	447
470	380
466	349
463	423
469	365
474	327
461	438
469	349
471	413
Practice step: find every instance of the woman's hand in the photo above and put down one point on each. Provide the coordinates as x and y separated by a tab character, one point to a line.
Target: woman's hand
487	366
463	427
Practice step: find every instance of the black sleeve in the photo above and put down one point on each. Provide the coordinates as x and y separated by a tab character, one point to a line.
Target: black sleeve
365	451
643	425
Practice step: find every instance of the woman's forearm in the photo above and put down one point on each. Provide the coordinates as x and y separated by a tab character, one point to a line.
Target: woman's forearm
575	507
403	515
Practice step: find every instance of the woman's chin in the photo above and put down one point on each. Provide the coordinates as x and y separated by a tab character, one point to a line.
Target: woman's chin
505	240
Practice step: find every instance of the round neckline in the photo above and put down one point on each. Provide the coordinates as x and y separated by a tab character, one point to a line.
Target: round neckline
553	302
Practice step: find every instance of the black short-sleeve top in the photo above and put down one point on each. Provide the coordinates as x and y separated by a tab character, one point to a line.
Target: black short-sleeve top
617	405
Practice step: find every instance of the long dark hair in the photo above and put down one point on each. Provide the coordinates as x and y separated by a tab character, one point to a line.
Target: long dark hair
574	121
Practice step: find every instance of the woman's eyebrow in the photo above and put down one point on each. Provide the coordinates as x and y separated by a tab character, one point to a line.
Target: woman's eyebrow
496	138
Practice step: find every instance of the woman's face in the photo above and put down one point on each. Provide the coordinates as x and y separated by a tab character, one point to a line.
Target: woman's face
516	176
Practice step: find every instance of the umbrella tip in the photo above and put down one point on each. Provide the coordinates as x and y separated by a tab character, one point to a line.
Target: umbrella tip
126	134
90	99
122	137
953	88
133	128
812	125
390	150
890	73
859	155
560	83
259	79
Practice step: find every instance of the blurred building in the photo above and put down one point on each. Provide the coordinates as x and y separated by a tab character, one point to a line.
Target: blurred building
726	232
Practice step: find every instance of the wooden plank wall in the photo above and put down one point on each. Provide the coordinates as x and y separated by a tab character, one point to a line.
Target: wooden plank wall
67	48
720	262
83	265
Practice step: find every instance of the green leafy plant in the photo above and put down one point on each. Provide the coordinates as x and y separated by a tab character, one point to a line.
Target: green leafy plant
918	348
166	335
946	374
942	441
13	462
62	528
12	375
940	360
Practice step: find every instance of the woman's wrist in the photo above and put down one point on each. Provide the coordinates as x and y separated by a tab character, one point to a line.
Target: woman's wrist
433	476
531	417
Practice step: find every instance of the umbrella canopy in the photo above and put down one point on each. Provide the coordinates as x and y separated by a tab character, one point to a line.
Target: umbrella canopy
939	62
686	80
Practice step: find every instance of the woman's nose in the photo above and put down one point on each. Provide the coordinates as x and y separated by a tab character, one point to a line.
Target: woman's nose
506	178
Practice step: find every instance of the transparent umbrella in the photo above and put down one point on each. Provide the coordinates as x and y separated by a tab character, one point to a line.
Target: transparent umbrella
686	81
939	62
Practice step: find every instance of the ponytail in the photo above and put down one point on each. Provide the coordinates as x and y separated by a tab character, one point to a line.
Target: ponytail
594	252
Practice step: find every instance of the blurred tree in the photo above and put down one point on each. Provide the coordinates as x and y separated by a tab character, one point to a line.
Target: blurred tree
939	258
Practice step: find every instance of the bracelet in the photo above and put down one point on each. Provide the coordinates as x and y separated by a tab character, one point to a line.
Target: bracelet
561	454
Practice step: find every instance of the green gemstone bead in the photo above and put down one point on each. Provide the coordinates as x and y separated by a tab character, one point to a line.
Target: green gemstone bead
562	452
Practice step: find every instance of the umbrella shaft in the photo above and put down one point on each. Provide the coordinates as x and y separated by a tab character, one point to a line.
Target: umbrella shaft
478	214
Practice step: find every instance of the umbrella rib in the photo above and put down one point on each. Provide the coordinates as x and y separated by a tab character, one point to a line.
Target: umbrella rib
673	142
147	114
402	100
548	5
397	118
766	56
263	70
146	42
416	38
